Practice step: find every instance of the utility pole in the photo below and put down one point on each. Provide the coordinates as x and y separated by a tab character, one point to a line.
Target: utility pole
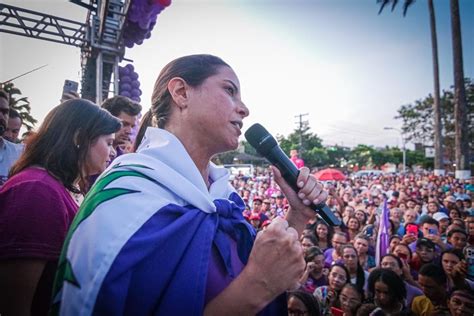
301	123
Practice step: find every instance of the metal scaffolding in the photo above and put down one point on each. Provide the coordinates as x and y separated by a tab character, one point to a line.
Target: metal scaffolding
100	39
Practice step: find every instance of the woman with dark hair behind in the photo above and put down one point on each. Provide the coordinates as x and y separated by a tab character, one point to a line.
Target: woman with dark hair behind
313	275
308	241
388	292
353	227
302	303
394	263
324	234
362	244
328	295
177	213
351	261
37	204
350	299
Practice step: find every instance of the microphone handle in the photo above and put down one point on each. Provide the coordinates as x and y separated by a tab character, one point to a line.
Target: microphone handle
290	173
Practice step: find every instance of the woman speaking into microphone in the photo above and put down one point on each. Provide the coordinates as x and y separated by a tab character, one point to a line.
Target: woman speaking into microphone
162	230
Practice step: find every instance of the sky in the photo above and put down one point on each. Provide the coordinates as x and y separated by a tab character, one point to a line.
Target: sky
338	62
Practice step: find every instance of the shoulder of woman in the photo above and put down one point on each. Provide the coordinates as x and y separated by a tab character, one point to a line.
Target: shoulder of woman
36	197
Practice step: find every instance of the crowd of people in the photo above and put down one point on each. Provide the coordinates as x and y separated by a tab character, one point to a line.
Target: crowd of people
428	266
86	228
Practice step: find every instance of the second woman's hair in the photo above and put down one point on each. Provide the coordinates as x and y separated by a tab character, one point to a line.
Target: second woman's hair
389	278
64	139
308	300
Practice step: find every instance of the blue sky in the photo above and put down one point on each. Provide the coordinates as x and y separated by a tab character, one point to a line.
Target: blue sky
337	60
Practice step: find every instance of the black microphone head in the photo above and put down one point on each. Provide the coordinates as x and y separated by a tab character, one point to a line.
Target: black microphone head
260	139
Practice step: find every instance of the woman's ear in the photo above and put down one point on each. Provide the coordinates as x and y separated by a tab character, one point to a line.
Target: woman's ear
178	89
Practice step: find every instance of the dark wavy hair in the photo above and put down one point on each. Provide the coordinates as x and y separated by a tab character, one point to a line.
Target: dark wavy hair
63	141
392	280
360	278
308	300
193	69
119	104
313	252
330	231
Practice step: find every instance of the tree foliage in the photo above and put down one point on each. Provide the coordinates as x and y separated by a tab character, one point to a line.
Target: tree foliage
310	142
21	104
418	119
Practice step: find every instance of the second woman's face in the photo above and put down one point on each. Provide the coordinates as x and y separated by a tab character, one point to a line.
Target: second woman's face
353	224
382	295
349	256
100	153
337	278
322	231
361	245
216	112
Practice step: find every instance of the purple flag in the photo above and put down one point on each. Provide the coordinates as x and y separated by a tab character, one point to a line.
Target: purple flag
383	237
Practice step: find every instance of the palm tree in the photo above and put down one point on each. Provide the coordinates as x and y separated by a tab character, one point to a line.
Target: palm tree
22	105
438	160
460	104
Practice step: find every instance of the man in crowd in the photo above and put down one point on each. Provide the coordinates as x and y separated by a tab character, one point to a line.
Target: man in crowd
457	238
13	127
461	302
433	282
448	203
425	251
9	152
409	217
443	221
127	111
430	229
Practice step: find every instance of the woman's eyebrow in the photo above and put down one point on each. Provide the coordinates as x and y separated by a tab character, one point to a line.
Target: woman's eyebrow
232	83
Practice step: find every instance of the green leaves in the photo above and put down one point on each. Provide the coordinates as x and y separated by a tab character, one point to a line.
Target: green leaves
418	119
22	105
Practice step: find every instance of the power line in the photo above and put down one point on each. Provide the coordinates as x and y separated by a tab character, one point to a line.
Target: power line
301	124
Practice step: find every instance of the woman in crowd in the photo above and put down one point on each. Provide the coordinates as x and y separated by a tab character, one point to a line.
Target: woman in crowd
350	299
353	226
177	213
395	264
403	252
327	295
461	302
334	254
361	216
454	213
324	234
308	241
37	203
432	207
351	261
452	261
313	276
393	242
382	284
301	303
361	244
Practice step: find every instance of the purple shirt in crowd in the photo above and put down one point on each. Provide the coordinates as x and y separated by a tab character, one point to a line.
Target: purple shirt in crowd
328	257
412	292
36	211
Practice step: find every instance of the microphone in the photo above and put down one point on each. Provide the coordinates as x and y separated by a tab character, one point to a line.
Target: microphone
267	146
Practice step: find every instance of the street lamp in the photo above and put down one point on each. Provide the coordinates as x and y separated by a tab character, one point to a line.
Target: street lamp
403	144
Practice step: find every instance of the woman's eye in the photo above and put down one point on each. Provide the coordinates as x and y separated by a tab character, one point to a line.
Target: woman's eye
230	90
